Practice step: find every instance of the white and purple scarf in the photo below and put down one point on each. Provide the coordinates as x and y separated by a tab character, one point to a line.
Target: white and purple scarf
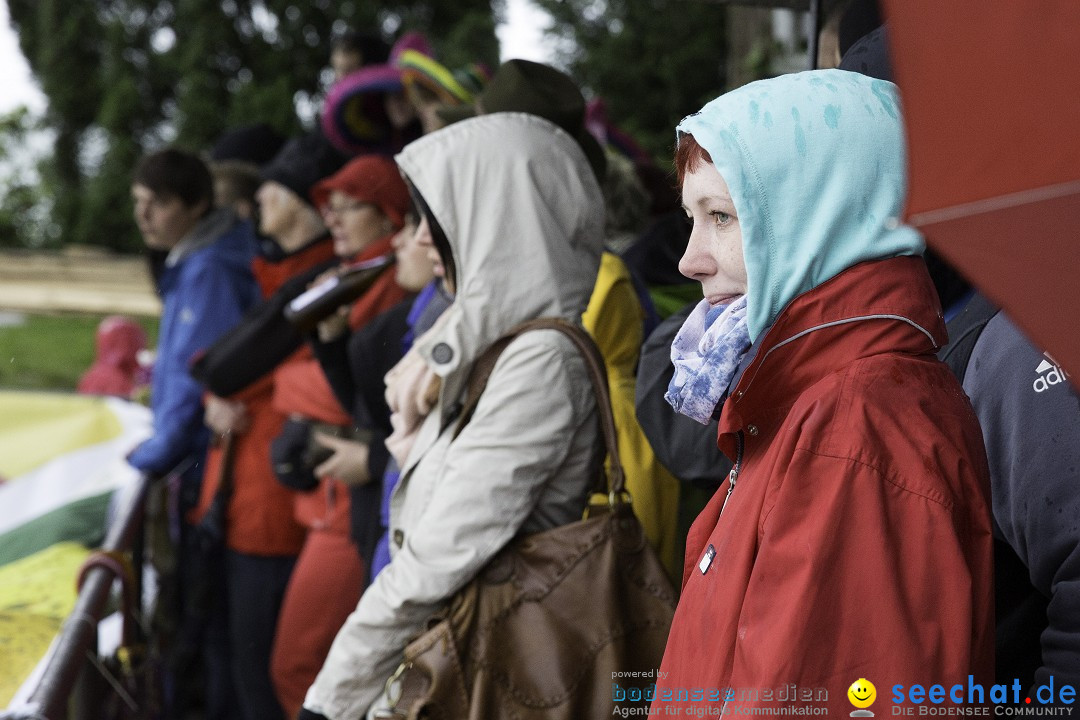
706	352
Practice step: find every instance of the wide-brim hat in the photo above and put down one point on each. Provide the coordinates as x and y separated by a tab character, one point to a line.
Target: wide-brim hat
541	90
417	68
354	115
371	179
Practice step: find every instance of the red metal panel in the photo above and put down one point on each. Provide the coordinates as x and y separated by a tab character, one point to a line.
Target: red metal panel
990	94
1027	260
990	98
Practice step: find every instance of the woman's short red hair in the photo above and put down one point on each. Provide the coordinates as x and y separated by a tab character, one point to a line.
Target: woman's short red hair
688	156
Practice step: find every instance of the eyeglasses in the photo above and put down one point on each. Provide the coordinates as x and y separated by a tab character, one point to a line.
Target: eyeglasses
342	208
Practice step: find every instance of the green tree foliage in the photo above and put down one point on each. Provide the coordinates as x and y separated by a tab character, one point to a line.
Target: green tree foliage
652	61
126	76
23	212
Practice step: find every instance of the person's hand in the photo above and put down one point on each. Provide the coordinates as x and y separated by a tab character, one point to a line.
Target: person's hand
225	416
349	463
331	327
325	275
334	325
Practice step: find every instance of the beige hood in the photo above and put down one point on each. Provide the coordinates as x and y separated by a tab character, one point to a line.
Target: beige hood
524	217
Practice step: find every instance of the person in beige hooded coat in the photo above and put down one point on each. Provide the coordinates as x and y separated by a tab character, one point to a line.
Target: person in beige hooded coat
523	216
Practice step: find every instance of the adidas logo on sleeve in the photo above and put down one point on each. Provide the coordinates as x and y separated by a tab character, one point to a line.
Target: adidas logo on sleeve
1048	374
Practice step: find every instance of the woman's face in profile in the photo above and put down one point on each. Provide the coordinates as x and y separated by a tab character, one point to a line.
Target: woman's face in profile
354	224
425	240
714	255
278	209
414	269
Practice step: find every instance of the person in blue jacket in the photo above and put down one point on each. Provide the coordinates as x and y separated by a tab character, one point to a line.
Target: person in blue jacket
206	285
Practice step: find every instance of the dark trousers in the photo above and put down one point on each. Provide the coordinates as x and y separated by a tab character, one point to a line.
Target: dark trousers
199	659
255	587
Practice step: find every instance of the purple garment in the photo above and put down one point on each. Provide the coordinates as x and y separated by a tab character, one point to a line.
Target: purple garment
426	308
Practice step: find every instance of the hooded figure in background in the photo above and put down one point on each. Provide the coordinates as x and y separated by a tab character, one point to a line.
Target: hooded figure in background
522	216
852	537
116	369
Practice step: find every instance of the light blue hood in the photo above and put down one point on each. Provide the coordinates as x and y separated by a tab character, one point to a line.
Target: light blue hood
816	165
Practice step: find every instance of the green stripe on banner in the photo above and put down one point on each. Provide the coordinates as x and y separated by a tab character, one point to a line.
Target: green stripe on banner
79	521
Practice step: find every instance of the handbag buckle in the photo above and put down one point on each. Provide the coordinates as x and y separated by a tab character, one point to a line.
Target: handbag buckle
622	497
392	690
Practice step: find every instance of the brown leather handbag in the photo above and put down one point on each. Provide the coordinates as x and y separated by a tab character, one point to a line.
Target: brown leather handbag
558	622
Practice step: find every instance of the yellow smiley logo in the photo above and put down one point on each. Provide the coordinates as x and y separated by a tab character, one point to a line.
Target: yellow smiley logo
862	693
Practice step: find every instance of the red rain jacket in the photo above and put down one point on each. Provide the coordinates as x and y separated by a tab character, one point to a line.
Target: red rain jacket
116	368
857	540
260	514
303	389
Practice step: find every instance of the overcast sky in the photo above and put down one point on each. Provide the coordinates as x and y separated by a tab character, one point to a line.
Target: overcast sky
520	37
16	86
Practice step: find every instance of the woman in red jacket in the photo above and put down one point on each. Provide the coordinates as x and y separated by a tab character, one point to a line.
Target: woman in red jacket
851	541
364	204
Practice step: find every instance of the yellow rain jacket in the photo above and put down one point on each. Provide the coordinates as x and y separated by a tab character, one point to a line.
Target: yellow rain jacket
614	318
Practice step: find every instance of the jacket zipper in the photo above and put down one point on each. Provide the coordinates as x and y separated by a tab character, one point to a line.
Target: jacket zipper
733	476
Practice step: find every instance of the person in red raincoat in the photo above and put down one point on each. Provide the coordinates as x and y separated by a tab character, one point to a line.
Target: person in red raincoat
116	369
850	545
364	205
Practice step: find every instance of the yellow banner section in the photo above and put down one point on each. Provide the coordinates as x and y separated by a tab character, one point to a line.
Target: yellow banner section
36	427
36	594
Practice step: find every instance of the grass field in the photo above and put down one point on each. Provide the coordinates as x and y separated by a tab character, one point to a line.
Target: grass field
50	352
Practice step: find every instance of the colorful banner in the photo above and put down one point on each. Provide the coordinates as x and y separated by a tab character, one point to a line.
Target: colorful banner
61	459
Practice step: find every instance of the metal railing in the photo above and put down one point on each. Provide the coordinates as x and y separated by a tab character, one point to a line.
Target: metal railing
72	671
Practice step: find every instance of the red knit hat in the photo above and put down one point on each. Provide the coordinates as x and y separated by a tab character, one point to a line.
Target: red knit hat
372	179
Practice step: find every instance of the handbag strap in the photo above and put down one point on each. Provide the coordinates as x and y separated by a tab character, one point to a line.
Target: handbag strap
594	364
225	469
